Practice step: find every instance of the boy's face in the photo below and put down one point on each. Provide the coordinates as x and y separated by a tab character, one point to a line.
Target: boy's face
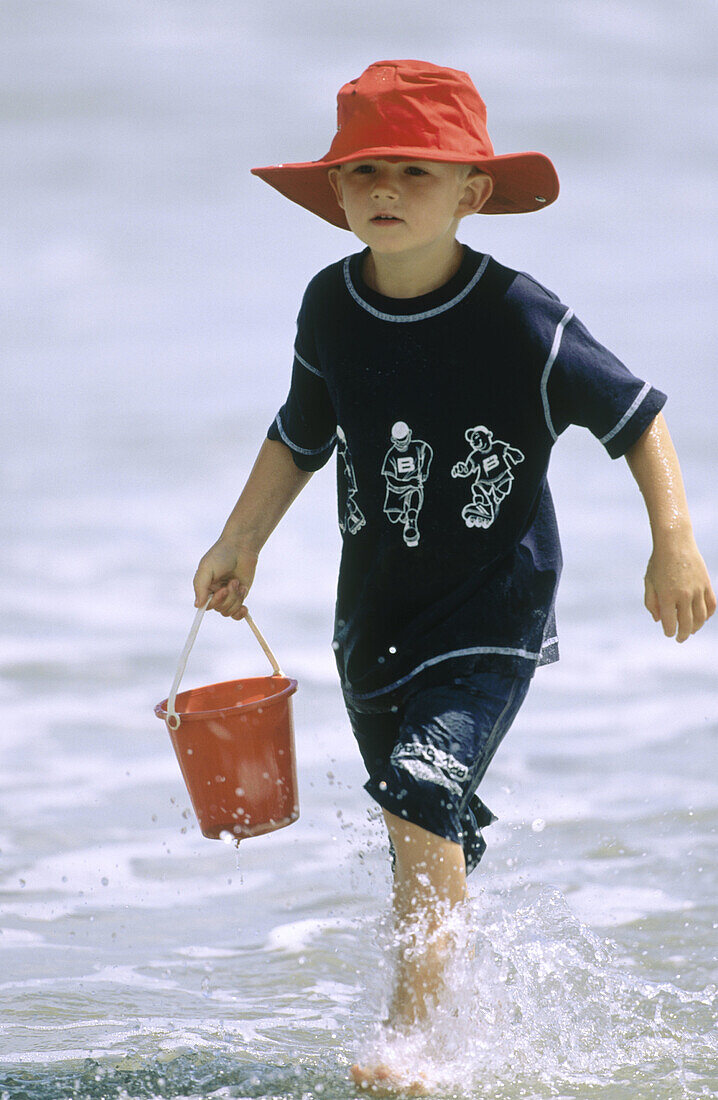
399	205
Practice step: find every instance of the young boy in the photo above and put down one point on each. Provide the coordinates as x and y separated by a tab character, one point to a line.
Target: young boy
444	378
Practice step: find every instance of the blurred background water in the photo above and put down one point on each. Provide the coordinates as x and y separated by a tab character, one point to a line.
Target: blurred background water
149	293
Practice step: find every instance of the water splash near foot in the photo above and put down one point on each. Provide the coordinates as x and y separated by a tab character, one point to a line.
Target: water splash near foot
536	1001
380	1079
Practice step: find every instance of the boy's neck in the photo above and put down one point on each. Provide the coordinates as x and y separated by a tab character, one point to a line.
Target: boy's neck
411	274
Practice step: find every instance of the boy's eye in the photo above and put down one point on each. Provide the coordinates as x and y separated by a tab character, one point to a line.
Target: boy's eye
368	169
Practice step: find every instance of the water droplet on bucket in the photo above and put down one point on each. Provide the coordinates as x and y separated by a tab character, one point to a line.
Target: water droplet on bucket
226	837
538	825
392	649
239	791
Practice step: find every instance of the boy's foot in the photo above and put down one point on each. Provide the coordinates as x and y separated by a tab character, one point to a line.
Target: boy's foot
380	1080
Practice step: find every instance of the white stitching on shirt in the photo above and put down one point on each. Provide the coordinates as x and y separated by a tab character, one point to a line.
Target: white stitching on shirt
404	318
628	414
309	366
558	336
295	446
473	651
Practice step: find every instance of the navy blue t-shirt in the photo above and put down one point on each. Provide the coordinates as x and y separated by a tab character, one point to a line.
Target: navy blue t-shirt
444	409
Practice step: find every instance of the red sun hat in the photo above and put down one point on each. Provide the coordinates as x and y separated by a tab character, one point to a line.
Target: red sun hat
414	110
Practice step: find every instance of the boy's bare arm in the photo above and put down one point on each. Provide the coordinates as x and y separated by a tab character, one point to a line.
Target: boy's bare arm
678	589
227	569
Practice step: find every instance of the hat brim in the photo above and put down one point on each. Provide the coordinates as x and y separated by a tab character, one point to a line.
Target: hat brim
523	182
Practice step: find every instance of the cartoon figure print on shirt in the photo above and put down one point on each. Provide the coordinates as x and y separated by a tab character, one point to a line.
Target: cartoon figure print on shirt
405	470
490	463
353	519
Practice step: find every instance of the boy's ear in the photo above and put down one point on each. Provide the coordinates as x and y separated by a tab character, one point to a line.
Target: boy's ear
334	180
477	191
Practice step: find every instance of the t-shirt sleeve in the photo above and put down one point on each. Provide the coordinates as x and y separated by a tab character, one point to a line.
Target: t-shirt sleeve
583	383
306	422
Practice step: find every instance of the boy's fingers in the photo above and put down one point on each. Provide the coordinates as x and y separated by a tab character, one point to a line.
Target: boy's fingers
651	601
205	585
240	611
684	609
700	613
669	620
228	601
704	605
217	599
201	584
225	598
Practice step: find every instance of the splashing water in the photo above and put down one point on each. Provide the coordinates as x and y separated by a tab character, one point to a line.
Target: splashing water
538	1005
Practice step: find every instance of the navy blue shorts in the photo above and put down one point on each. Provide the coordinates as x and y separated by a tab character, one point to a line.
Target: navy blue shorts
427	752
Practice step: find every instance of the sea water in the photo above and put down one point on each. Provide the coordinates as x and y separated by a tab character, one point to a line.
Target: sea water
150	288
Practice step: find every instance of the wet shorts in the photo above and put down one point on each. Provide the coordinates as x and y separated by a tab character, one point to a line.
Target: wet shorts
428	751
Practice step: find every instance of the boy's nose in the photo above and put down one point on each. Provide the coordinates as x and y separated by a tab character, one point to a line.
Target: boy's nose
383	184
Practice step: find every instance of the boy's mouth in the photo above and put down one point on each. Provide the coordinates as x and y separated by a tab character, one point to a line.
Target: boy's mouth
385	219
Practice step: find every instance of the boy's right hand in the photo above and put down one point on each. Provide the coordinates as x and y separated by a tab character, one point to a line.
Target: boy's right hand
225	573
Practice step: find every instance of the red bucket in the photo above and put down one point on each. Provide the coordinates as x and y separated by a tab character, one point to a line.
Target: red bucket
235	746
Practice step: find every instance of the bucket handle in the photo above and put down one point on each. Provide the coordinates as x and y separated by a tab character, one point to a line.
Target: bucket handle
173	719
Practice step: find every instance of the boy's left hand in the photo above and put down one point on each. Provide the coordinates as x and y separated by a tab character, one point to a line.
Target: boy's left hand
679	593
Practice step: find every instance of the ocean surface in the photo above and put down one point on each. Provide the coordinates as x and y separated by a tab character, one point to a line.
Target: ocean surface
149	293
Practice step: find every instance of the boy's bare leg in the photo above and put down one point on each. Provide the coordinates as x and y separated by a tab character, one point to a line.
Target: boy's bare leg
429	880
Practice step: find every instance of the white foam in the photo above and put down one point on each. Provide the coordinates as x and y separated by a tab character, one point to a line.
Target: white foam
20	937
297	936
199	952
72	882
604	907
